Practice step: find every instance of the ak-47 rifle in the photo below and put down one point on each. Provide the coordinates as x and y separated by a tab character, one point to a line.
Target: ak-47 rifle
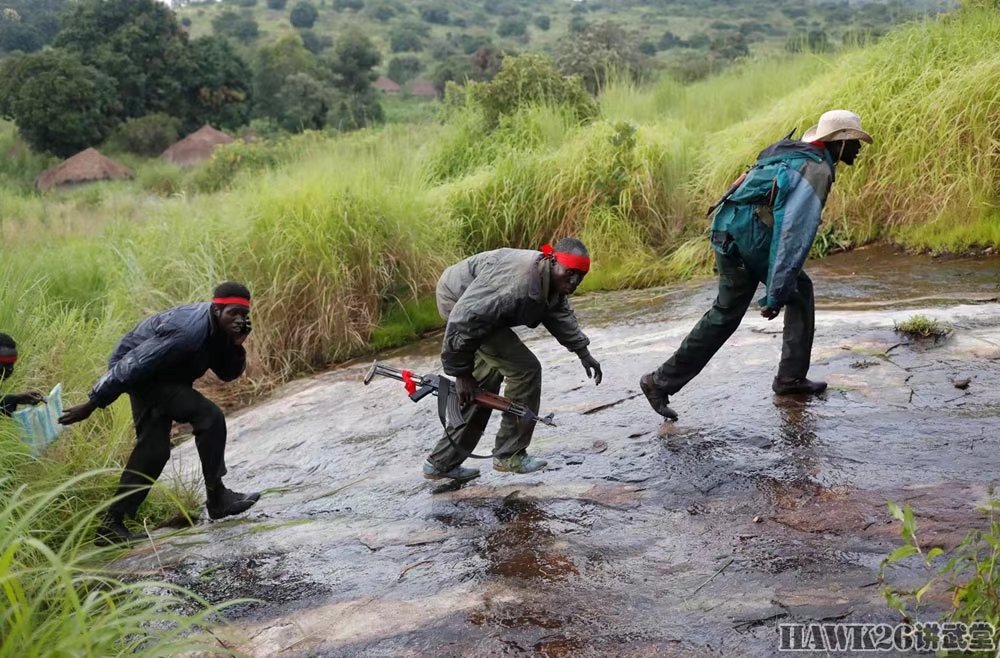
449	410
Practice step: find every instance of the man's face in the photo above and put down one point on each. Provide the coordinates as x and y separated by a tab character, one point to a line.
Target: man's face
848	150
7	358
565	279
231	319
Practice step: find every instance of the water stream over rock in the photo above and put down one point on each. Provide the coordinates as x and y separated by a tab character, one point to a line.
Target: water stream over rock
640	539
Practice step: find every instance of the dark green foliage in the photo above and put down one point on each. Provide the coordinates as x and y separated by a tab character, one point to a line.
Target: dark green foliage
648	48
382	10
236	25
730	46
603	49
512	27
60	105
353	5
219	90
453	69
355	111
485	63
150	135
353	62
527	80
277	4
243	3
304	103
670	40
138	43
18	36
543	22
27	25
501	7
303	15
186	21
405	68
274	64
578	24
436	13
315	43
408	36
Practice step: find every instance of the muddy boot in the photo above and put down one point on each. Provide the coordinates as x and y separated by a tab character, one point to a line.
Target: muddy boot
112	532
519	463
459	473
657	400
223	502
800	386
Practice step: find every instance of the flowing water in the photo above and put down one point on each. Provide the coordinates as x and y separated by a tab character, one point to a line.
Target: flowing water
642	538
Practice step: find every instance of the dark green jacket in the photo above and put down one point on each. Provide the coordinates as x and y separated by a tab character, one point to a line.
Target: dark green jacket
498	289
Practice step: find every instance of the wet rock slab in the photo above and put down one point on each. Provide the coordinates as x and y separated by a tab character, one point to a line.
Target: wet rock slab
693	538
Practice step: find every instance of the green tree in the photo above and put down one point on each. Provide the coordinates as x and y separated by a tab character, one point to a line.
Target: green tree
486	63
405	68
543	22
303	15
150	135
512	27
27	25
603	49
382	10
315	43
355	111
353	5
138	43
527	80
240	26
435	13
304	103
408	36
453	69
277	4
219	89
59	104
354	60
274	64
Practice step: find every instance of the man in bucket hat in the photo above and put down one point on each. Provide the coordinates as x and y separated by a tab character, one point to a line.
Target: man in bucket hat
762	231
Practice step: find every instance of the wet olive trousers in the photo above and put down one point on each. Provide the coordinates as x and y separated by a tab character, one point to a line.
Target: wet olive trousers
154	410
501	359
737	288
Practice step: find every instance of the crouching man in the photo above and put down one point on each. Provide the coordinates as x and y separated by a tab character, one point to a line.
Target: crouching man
8	357
156	364
482	298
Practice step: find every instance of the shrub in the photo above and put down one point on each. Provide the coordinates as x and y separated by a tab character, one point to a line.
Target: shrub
277	4
921	326
435	13
303	15
543	22
353	5
150	135
512	27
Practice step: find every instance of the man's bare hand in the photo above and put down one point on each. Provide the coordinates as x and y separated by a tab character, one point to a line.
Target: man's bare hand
465	387
77	413
769	313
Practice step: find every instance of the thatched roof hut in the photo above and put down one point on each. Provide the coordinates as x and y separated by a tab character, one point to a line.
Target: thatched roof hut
422	88
386	85
196	147
84	167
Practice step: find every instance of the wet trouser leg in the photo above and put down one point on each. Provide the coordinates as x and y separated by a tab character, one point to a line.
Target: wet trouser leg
502	357
736	290
800	326
154	409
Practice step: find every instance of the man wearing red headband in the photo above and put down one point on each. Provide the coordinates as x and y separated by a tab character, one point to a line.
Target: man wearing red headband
482	298
8	357
157	364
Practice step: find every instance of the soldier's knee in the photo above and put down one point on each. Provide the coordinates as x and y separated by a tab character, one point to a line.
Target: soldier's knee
210	419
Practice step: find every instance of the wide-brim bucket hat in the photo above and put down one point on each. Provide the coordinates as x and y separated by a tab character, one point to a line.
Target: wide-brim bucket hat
837	125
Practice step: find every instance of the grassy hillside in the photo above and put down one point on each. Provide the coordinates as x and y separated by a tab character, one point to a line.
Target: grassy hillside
455	27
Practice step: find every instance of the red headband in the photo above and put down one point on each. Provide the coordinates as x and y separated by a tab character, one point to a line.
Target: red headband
8	359
241	301
571	261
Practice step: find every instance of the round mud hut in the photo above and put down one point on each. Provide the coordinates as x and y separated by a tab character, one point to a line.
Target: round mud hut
85	167
196	147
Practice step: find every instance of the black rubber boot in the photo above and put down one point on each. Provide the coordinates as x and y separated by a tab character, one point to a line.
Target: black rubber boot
223	502
801	386
112	532
657	400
